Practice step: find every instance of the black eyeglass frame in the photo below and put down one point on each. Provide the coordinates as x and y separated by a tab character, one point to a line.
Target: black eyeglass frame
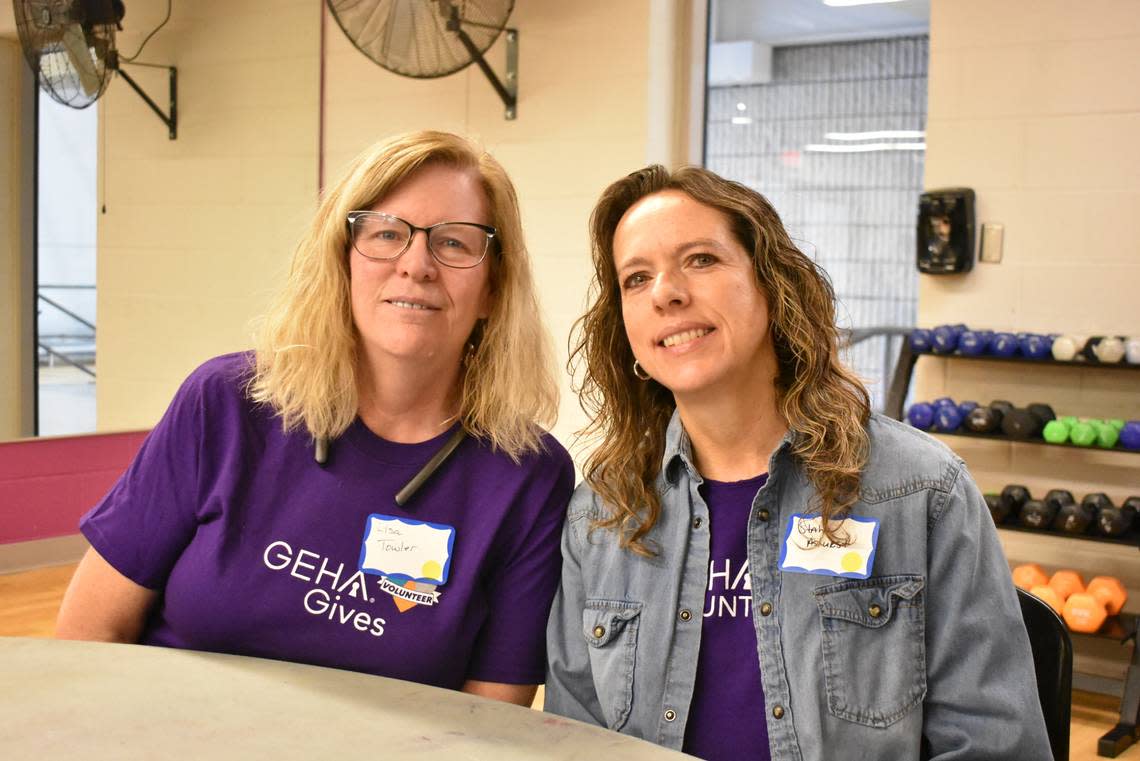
490	231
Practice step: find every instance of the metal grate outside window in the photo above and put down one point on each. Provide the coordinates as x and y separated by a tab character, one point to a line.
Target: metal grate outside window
835	142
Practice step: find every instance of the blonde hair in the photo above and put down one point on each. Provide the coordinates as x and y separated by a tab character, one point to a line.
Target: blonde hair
824	403
307	346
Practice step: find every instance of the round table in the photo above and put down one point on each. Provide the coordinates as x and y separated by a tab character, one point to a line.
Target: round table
87	700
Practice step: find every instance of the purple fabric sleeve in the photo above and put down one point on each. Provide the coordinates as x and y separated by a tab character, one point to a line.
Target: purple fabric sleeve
144	544
520	592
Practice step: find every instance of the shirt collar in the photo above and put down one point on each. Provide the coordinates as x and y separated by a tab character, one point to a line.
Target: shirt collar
679	451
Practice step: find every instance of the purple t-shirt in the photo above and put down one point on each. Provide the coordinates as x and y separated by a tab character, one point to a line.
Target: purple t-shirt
726	715
258	550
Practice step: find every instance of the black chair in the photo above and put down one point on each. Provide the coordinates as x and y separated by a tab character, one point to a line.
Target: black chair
1053	661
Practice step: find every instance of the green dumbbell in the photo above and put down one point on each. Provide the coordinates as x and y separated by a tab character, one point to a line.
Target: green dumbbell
1106	435
1056	432
1083	434
1116	423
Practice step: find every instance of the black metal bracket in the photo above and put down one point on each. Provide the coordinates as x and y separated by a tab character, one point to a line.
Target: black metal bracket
509	91
900	382
171	120
1126	732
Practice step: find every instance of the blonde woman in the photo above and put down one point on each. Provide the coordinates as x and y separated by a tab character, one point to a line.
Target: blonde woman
370	489
755	565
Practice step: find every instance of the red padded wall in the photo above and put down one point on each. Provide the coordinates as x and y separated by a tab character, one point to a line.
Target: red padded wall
47	484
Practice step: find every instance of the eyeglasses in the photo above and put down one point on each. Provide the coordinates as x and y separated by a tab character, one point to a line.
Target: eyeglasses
383	237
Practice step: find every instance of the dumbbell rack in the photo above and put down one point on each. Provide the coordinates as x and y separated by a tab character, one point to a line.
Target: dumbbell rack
1121	628
904	369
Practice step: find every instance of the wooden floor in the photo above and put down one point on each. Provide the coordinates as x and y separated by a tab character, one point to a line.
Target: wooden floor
29	602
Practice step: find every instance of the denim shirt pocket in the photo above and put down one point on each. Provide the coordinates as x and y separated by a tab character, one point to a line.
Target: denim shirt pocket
610	628
874	647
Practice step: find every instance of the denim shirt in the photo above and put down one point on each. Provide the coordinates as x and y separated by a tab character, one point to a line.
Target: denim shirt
928	658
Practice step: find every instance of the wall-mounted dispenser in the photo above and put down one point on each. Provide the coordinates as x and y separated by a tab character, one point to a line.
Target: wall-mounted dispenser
946	231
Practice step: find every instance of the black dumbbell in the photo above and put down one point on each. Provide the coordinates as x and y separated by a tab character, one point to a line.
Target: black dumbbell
1058	498
1012	498
1073	518
994	505
1037	514
1026	423
1110	520
1001	405
1043	411
1108	349
983	420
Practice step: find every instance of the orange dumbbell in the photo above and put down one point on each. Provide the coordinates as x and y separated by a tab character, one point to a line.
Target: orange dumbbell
1066	583
1047	593
1083	613
1029	575
1109	592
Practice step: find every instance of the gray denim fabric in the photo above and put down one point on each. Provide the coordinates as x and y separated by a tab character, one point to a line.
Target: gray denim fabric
943	671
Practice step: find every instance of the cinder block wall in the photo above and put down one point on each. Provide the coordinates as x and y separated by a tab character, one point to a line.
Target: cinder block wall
1033	103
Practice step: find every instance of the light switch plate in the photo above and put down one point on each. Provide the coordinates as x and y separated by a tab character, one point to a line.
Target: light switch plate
992	235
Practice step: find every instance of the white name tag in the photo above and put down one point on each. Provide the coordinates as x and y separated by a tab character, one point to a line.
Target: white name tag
851	555
406	548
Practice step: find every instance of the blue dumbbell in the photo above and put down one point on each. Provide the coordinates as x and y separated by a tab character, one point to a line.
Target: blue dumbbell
944	339
1130	435
943	401
965	408
947	418
921	415
972	343
919	340
1035	346
1004	344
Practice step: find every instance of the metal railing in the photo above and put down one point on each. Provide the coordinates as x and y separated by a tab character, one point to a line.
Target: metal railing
892	336
56	349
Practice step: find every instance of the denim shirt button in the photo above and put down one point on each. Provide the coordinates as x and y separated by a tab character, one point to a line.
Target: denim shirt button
685	614
599	632
763	515
697	523
670	715
778	712
766	609
875	611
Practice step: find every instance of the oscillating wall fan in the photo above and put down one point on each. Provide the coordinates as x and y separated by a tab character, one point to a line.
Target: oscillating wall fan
70	46
425	39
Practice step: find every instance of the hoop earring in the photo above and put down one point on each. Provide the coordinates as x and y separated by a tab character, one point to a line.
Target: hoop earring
638	370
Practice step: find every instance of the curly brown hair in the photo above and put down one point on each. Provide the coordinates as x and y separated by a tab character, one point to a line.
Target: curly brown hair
825	404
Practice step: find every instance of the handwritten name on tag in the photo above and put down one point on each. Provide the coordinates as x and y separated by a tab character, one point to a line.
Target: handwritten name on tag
406	548
851	554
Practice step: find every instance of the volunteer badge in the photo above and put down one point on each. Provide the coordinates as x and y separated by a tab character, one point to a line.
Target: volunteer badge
849	553
412	558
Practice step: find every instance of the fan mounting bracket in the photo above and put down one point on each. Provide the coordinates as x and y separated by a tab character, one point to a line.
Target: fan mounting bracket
508	91
171	119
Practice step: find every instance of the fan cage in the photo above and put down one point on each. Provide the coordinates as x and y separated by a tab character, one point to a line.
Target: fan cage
69	57
411	37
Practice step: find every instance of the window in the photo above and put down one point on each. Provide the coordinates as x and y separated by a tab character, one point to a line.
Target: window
835	141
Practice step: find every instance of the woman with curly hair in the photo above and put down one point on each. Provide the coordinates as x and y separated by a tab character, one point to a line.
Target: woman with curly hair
756	566
370	488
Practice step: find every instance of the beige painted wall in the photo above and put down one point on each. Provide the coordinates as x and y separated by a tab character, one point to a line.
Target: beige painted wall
15	418
1033	103
198	231
590	110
